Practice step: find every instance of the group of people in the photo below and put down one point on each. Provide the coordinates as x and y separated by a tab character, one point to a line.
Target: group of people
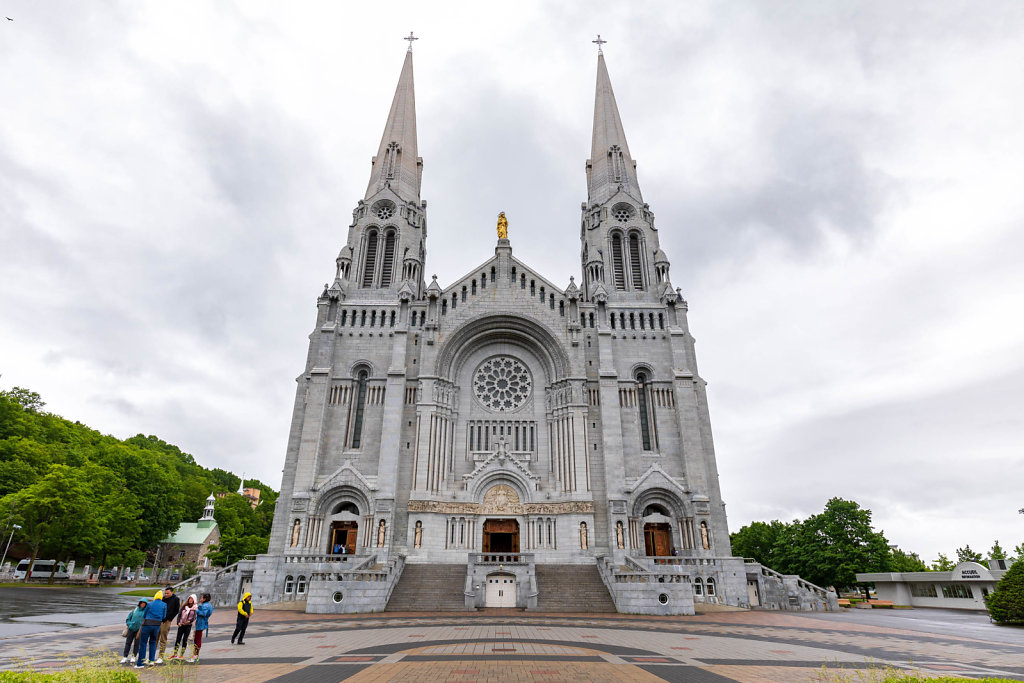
149	624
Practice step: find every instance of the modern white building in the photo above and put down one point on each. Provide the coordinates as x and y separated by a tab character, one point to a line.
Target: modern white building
963	588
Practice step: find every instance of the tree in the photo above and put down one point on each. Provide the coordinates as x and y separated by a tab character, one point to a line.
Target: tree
1006	603
906	562
997	552
29	400
965	554
943	564
830	548
1019	549
758	540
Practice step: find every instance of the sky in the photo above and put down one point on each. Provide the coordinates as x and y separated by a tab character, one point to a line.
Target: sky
836	184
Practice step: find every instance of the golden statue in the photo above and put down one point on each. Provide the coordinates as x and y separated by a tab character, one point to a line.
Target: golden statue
502	226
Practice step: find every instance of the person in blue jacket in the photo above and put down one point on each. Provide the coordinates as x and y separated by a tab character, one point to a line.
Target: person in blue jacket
202	624
133	624
156	610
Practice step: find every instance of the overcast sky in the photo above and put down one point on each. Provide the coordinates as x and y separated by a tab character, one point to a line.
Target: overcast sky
837	185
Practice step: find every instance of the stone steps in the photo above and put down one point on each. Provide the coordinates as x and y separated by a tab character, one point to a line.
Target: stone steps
429	588
571	588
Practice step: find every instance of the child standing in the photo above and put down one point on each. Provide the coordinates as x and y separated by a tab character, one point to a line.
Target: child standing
133	624
203	613
186	617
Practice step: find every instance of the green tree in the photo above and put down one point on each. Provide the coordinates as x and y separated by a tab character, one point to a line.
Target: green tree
29	400
943	564
997	552
758	540
1006	603
830	548
965	554
906	562
1019	549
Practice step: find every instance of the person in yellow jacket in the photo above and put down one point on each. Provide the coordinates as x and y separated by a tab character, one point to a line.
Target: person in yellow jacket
242	619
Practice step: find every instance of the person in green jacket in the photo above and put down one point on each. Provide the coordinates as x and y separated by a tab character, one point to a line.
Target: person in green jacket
132	625
242	620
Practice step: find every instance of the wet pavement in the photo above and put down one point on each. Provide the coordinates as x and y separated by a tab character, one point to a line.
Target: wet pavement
38	609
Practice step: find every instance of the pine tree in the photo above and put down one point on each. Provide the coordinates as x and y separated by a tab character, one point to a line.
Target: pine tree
1006	603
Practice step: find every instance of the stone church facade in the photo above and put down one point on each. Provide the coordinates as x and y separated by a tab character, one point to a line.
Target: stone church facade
506	420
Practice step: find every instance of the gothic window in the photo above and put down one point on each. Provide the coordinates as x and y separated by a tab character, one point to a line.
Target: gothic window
616	159
289	584
389	259
635	264
612	320
370	262
642	403
362	318
711	586
391	160
522	281
463	293
483	280
360	408
391	319
373	318
502	383
444	307
300	586
698	586
661	321
561	308
618	266
344	316
473	291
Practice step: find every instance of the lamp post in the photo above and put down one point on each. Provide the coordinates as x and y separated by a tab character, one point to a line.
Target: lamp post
11	538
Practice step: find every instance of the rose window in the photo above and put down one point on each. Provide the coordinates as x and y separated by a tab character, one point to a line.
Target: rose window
622	212
502	383
383	209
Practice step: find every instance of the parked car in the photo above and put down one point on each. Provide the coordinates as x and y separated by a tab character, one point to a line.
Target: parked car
176	576
128	576
107	575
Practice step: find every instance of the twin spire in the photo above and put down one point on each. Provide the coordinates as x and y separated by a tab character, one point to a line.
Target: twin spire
398	166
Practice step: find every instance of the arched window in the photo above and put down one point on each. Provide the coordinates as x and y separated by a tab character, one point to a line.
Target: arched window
642	404
389	259
618	267
289	584
360	407
300	586
370	261
636	269
698	586
711	586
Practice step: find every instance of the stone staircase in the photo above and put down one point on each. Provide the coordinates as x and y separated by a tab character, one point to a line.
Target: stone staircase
429	588
571	588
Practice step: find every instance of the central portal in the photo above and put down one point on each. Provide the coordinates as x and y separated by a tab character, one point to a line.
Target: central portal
501	536
343	538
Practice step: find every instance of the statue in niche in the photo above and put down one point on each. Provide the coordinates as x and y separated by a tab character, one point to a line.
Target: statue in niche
620	540
382	532
502	226
418	539
583	535
705	537
295	533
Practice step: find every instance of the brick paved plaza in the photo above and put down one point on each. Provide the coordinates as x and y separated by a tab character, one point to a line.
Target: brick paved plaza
516	646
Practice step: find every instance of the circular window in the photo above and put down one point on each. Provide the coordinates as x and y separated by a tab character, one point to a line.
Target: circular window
622	212
337	597
384	209
502	383
663	598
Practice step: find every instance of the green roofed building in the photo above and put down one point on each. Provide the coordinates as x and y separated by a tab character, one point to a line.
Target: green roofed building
192	540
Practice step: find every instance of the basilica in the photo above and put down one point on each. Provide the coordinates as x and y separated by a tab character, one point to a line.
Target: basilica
505	439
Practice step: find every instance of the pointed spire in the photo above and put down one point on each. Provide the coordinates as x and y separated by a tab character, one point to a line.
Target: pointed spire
610	163
397	162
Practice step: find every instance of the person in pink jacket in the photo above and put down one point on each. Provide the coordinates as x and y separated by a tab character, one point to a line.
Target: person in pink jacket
186	617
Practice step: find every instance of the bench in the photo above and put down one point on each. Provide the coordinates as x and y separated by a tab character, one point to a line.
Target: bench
92	582
883	604
844	602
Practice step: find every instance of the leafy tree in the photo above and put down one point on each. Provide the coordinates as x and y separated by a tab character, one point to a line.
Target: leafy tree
997	552
830	548
29	400
758	540
943	564
965	554
1019	549
1006	603
906	562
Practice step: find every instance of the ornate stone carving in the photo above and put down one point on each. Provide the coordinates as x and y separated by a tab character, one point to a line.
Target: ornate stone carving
502	500
449	508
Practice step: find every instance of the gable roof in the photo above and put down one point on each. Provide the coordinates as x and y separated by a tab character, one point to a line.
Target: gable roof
190	533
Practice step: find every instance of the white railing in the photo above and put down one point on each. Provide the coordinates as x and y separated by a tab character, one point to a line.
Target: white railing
501	558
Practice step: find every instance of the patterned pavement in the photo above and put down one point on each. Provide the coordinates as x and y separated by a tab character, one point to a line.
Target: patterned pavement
516	646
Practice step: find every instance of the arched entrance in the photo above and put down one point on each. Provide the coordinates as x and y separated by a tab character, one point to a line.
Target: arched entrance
343	538
501	536
501	590
657	539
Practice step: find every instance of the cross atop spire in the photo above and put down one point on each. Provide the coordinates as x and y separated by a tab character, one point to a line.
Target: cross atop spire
397	164
411	38
599	42
611	166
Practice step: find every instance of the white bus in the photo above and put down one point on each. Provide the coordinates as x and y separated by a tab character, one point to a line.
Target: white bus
41	570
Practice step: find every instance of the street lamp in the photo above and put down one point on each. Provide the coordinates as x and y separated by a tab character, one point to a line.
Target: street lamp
16	527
